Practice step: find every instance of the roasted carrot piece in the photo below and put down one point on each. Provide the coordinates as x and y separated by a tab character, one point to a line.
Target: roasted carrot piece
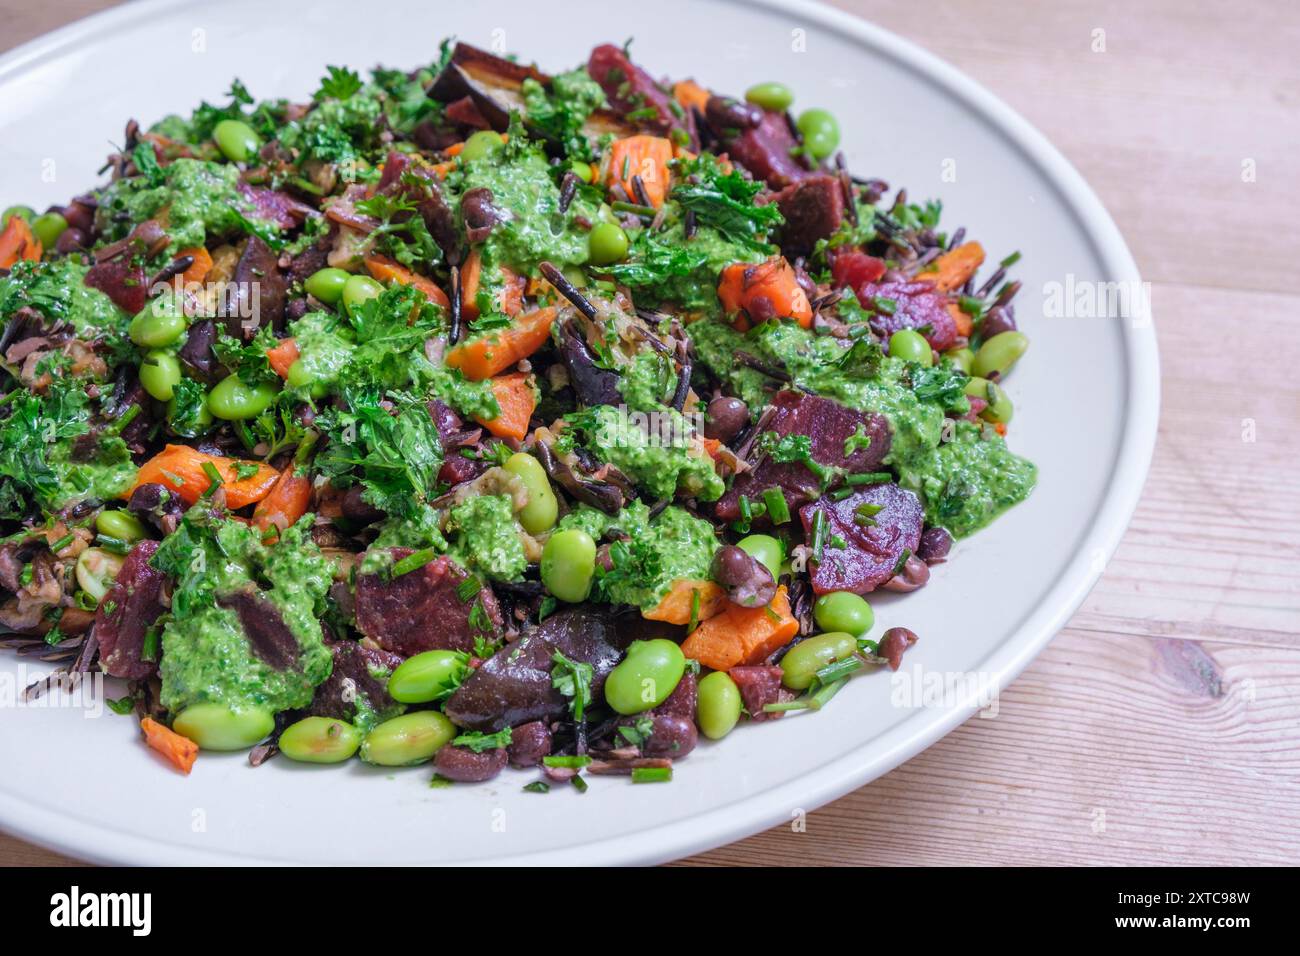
282	356
386	270
181	752
644	156
179	469
964	323
199	268
18	242
514	395
951	270
287	501
741	635
486	355
758	291
471	274
676	606
688	93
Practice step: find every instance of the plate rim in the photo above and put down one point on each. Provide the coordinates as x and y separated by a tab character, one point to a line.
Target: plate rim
715	827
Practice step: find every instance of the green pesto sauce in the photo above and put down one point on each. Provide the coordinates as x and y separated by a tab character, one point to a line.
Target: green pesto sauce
474	399
675	545
417	531
108	475
663	463
647	384
695	289
963	488
206	656
487	537
322	351
337	130
58	289
196	199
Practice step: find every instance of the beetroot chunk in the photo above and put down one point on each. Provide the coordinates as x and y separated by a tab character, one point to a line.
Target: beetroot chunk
872	550
855	269
421	611
915	305
813	209
759	686
122	279
357	678
764	150
126	613
829	425
631	89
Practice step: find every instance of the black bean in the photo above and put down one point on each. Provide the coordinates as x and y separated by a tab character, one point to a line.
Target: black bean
529	743
746	580
935	545
914	575
997	321
726	417
479	214
465	766
893	643
724	113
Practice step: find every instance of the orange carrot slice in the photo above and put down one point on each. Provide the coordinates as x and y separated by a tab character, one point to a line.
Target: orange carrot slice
179	469
181	752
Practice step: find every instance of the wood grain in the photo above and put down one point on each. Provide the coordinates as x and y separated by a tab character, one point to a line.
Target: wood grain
1161	725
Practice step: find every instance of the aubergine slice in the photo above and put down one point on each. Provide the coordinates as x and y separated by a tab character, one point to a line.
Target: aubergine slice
495	86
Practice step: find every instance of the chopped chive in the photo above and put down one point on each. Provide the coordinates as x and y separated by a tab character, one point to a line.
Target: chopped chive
579	784
466	590
214	479
652	775
884	305
635	209
870	478
902	560
63	542
115	545
818	534
438	781
839	494
1011	259
537	786
823	696
833	672
413	562
695	611
573	763
777	507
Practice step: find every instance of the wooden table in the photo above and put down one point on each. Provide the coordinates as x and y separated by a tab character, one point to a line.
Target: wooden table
1162	725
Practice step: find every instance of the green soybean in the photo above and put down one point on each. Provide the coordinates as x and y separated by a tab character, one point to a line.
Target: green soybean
569	564
765	549
120	524
159	374
963	358
236	140
802	662
645	677
25	213
358	290
607	243
319	740
1000	353
718	706
999	407
233	400
427	676
821	132
843	611
772	96
327	284
48	227
97	570
480	144
542	509
910	346
158	324
218	727
407	740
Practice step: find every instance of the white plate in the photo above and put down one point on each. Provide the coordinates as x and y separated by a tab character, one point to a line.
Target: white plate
1087	398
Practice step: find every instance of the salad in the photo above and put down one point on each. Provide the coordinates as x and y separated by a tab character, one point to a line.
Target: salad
477	416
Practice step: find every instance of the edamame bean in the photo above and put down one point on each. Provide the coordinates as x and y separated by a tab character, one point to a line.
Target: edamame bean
48	227
320	740
480	144
802	662
1000	353
843	611
772	96
821	132
645	677
96	571
963	358
233	400
120	524
158	324
236	140
766	549
218	727
358	290
427	676
999	408
26	213
327	284
407	740
910	346
606	244
582	170
569	564
540	513
159	374
718	706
